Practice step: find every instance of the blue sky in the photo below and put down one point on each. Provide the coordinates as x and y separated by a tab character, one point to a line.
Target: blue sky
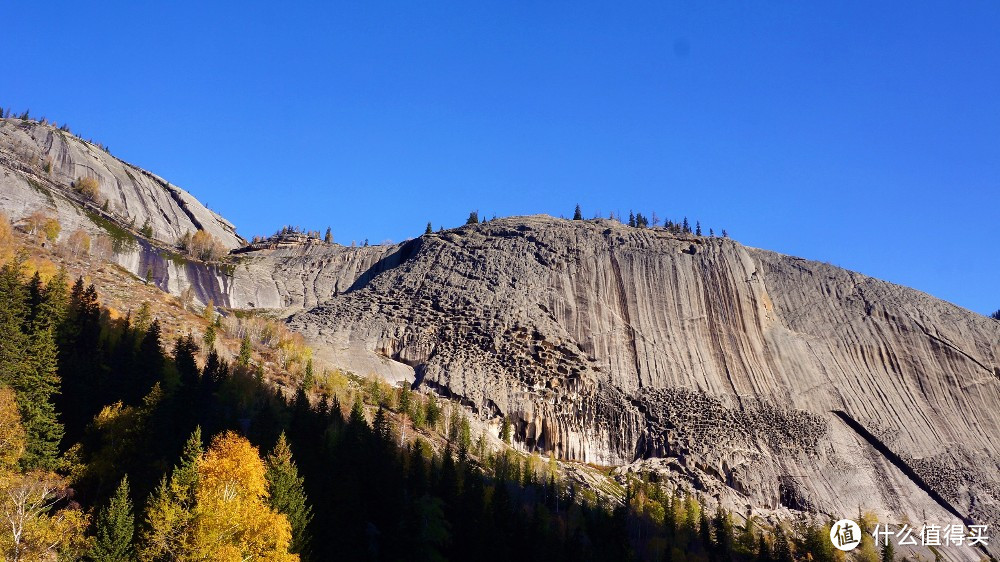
863	134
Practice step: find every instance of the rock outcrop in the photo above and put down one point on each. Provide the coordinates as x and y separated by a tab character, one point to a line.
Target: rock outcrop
746	371
39	164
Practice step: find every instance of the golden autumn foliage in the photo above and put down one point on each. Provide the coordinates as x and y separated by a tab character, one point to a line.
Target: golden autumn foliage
78	242
235	521
11	431
51	228
215	507
6	239
33	527
202	245
115	431
45	268
34	223
289	348
88	187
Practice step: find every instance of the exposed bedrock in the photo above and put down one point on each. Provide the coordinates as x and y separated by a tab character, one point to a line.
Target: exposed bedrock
39	162
609	344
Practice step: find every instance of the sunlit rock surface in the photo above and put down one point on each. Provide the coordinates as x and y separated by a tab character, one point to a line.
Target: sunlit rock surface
610	344
39	162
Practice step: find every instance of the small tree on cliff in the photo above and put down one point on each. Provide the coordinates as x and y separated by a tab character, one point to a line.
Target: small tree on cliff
577	214
473	218
505	430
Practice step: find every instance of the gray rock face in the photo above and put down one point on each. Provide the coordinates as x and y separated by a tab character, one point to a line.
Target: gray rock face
133	195
766	379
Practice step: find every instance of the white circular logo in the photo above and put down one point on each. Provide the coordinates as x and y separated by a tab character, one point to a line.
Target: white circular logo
845	534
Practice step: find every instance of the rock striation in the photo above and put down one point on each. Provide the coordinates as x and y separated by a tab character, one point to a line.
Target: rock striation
768	379
39	163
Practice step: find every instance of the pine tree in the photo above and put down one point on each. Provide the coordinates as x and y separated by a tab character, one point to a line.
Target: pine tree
763	549
432	412
705	533
143	317
577	214
505	430
246	348
473	218
747	540
40	386
631	219
308	378
208	313
171	510
209	338
782	550
35	291
28	359
697	228
428	230
150	359
328	237
817	543
185	350
13	313
381	426
888	551
464	438
288	495
723	534
115	529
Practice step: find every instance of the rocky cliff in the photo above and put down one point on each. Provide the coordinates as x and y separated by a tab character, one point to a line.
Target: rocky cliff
38	163
765	379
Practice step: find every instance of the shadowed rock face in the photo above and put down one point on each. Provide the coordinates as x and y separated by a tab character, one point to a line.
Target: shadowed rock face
610	344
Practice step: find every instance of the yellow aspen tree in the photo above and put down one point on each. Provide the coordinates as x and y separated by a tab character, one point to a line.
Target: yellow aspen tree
233	520
11	431
6	239
31	528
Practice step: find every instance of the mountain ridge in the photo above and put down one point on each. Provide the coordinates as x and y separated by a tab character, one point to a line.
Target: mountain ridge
720	366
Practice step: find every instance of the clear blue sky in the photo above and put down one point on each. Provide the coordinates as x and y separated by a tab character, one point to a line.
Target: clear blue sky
864	134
